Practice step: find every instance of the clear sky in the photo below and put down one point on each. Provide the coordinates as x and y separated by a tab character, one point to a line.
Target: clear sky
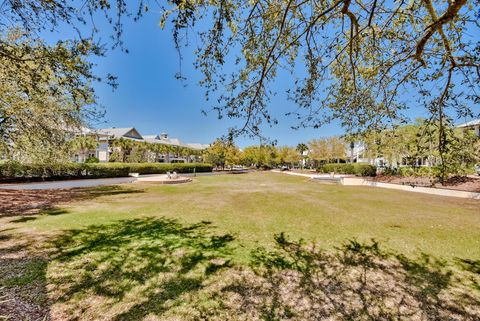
150	99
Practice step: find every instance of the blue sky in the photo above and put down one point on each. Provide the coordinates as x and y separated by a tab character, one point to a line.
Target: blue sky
150	99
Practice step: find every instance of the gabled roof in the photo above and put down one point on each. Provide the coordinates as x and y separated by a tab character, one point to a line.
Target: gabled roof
129	132
158	139
197	146
151	137
472	123
83	131
174	141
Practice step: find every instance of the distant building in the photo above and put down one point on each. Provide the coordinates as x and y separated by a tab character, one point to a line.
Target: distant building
106	136
473	125
359	152
175	142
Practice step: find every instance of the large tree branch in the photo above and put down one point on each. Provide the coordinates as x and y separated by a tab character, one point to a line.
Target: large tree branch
353	35
437	24
267	66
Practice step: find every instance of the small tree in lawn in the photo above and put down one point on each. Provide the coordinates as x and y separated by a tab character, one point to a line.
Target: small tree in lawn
281	155
293	157
233	155
216	153
320	151
337	148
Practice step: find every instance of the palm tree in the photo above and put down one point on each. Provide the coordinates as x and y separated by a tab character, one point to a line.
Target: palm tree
157	150
301	148
83	144
124	147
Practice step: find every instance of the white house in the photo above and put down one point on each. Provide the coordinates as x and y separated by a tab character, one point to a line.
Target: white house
474	125
105	136
359	151
101	152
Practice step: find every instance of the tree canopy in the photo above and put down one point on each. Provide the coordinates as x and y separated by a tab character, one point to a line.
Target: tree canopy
328	149
364	61
360	62
406	144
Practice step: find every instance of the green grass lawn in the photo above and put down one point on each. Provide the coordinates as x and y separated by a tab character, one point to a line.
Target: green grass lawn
214	249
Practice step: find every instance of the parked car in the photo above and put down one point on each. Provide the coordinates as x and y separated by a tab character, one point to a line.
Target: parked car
477	169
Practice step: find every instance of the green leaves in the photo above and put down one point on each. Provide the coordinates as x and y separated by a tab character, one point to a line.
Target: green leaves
45	96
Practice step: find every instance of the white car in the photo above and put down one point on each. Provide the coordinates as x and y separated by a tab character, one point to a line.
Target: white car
477	169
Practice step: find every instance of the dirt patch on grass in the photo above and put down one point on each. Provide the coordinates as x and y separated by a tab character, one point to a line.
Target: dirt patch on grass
25	202
31	202
23	263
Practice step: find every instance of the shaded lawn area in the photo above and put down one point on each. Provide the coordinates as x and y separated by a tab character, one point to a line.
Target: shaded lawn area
228	247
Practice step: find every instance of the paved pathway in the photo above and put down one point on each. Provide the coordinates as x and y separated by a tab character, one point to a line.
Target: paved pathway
358	181
311	175
92	182
70	183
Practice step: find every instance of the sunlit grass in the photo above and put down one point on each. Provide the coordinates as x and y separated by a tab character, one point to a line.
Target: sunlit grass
255	206
226	247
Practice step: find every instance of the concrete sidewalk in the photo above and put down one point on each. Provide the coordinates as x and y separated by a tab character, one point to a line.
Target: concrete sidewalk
312	175
350	180
92	182
76	183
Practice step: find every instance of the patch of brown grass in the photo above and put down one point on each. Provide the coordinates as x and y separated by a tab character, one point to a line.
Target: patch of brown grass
32	202
23	263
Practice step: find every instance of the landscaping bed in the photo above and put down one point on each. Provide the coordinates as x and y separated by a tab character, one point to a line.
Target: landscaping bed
469	183
358	169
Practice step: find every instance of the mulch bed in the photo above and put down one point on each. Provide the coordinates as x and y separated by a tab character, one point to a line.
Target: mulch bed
460	183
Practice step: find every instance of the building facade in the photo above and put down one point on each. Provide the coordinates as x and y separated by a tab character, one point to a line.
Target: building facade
106	137
472	125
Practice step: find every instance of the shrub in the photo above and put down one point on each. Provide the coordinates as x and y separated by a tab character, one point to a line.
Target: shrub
156	168
92	159
415	171
358	169
409	171
15	171
105	170
422	171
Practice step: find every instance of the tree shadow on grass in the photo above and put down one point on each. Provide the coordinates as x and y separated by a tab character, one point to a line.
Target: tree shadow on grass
159	269
32	202
23	293
472	269
128	269
472	266
359	281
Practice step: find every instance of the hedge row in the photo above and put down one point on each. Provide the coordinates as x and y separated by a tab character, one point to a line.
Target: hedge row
14	171
358	169
422	171
408	171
